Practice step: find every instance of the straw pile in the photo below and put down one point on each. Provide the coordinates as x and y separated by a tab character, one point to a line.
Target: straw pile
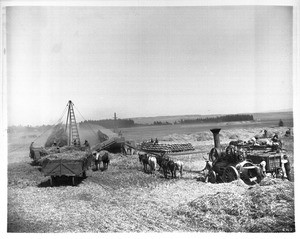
58	135
267	208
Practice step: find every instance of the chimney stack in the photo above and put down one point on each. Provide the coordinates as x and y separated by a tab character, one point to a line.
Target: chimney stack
216	137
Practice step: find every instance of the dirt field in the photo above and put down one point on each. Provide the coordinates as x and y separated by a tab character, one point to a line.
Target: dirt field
125	199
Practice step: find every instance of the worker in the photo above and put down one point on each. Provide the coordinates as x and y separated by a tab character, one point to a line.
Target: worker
31	154
263	167
285	166
265	133
87	145
151	140
54	143
206	170
275	138
253	140
156	141
275	143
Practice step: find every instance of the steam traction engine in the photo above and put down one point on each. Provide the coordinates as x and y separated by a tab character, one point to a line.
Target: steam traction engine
230	164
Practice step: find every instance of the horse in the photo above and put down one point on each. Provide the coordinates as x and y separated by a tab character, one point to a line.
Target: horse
164	165
143	158
159	160
146	159
152	163
172	168
168	165
102	156
179	167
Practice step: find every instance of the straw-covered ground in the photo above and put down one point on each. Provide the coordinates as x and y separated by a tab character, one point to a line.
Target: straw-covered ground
125	199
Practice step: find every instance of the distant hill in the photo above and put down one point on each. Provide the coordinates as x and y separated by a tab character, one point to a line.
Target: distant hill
257	116
273	115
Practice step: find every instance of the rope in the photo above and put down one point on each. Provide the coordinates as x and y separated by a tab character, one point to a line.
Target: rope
23	146
52	126
87	122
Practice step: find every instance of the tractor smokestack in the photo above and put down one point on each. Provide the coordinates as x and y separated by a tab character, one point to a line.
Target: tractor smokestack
216	137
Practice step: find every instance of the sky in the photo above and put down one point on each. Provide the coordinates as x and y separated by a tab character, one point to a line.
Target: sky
147	61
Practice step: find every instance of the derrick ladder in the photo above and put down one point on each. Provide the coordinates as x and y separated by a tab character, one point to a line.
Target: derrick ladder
72	126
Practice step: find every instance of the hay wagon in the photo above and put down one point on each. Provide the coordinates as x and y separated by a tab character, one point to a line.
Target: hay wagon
72	165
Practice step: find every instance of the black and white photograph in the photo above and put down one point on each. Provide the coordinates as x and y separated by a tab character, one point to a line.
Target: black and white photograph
149	117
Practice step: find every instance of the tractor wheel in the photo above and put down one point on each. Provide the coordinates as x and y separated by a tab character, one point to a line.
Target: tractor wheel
230	174
212	176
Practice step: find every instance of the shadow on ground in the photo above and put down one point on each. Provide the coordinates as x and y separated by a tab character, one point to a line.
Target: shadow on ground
61	181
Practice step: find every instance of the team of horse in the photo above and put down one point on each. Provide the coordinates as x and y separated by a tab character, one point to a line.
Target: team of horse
99	157
164	162
150	163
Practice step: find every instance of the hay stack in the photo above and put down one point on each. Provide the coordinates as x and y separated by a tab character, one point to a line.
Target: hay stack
58	135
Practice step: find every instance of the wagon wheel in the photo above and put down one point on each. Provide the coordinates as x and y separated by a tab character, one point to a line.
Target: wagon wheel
73	180
251	177
230	174
279	173
212	176
51	180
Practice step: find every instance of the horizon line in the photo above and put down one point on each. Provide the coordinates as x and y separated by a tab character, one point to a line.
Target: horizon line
139	117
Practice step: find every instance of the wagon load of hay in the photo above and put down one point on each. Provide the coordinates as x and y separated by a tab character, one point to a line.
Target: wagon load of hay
58	136
70	163
74	155
149	146
71	149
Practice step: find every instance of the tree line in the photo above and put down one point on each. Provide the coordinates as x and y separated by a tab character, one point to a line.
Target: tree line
217	119
126	123
161	123
111	123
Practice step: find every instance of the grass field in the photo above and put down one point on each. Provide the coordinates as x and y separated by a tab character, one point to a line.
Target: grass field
126	199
